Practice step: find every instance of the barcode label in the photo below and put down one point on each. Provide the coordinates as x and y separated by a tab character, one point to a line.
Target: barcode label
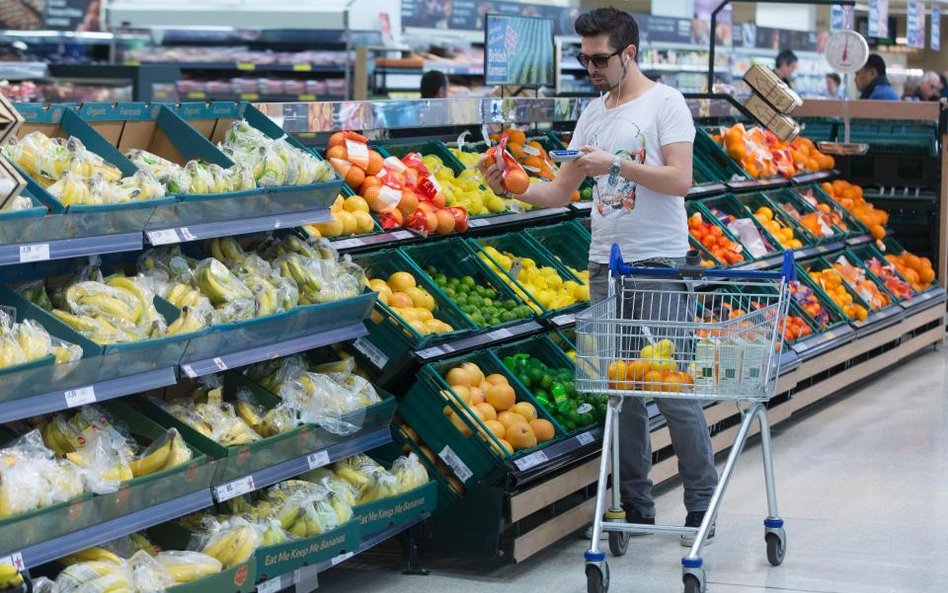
531	460
186	233
220	364
585	438
402	235
163	237
188	371
499	334
347	244
357	150
80	397
15	560
430	352
341	558
35	252
318	459
372	352
477	222
234	489
460	469
271	586
564	319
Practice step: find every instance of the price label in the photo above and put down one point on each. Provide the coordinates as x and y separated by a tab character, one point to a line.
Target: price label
220	364
478	222
500	334
249	96
186	233
531	460
460	469
277	224
402	235
15	560
302	67
307	97
347	244
565	319
234	489
271	586
80	397
430	352
358	151
318	459
34	252
246	66
585	438
197	95
188	371
372	352
163	237
341	558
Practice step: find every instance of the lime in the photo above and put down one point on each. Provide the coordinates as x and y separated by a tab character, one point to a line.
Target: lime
508	316
468	281
440	279
525	379
450	293
431	270
547	382
487	302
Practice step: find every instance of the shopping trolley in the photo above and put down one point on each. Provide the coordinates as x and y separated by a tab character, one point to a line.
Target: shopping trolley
714	339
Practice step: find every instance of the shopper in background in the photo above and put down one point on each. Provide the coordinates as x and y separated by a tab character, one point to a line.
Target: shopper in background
786	65
929	87
833	82
637	142
944	85
434	85
872	82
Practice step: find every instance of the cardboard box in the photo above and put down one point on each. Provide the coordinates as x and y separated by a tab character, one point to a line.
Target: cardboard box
773	90
781	125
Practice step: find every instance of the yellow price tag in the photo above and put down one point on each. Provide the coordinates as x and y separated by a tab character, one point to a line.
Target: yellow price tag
307	97
302	67
248	66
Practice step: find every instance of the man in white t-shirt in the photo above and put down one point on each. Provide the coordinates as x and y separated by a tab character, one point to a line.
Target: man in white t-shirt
637	142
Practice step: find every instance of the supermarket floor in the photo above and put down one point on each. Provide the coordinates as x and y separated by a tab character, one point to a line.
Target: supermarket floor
863	486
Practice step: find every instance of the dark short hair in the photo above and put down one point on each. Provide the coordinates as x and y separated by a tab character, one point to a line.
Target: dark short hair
786	57
835	78
431	82
620	25
876	63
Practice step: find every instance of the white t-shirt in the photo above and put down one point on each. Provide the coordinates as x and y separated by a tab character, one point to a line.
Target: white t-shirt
643	222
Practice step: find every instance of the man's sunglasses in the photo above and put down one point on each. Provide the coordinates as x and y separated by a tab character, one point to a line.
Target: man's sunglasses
599	61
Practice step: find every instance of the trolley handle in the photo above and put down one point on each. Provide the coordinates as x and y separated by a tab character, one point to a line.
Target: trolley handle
618	267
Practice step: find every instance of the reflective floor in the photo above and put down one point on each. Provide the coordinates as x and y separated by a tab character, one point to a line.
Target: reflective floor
863	488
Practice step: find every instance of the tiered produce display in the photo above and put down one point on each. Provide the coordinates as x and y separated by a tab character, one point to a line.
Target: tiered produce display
246	447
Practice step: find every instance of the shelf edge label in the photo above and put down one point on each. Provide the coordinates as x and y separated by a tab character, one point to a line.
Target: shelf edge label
585	438
34	252
531	460
318	459
460	469
163	237
80	397
234	489
341	558
15	560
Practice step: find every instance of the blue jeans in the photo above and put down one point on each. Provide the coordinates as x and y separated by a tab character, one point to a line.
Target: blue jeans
684	418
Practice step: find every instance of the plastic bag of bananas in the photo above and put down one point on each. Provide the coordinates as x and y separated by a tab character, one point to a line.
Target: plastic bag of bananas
28	341
206	412
231	542
320	400
31	477
273	162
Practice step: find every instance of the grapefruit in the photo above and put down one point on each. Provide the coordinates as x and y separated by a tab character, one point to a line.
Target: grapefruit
375	163
496	428
496	379
516	181
477	395
486	410
521	436
508	419
502	397
400	299
543	429
477	375
401	281
458	376
445	222
526	410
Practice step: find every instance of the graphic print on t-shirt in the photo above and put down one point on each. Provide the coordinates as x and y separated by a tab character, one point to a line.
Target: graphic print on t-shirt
615	196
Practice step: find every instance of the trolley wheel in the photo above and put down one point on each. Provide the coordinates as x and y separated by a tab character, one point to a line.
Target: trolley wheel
776	549
618	543
597	578
692	584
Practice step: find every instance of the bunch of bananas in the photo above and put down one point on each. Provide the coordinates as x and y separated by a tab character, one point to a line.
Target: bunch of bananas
93	554
274	162
196	177
9	577
27	341
95	576
373	482
265	422
207	413
232	543
75	175
186	566
31	478
118	310
304	509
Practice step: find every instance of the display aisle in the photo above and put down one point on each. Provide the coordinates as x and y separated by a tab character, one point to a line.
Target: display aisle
280	350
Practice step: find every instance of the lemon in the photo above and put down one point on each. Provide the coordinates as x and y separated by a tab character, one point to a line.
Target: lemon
356	204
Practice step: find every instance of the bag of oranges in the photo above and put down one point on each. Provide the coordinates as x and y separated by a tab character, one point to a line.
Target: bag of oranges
515	179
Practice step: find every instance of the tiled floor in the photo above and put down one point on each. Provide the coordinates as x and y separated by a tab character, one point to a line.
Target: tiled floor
862	484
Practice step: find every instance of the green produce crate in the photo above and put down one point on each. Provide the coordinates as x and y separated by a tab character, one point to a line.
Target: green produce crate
818	129
376	516
546	351
566	242
819	264
693	207
853	226
854	261
564	338
438	472
474	457
831	316
790	199
454	258
11	219
753	201
241	578
902	137
389	332
729	205
522	246
868	251
273	561
895	248
715	163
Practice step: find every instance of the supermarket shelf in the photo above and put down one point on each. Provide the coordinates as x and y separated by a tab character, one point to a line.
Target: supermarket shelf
860	240
301	98
475	342
929	298
490	224
583	208
879	320
69	248
246	66
160	235
61	399
23	70
114	528
757	184
215	364
808	252
294	467
823	342
707	189
817	177
390	239
551	458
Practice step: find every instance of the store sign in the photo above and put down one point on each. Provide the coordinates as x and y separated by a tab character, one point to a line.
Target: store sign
915	24
879	18
920	17
837	18
936	29
73	15
468	15
665	29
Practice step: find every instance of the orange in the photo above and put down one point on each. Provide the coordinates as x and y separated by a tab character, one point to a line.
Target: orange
502	397
520	436
496	379
516	181
516	149
408	203
375	163
486	410
400	299
337	152
671	381
496	428
457	375
508	419
635	371
543	429
618	373
477	395
653	381
337	139
533	161
526	410
355	176
445	222
516	136
877	231
477	375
